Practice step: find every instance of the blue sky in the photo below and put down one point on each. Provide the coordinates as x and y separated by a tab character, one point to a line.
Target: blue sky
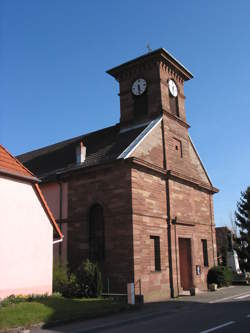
53	85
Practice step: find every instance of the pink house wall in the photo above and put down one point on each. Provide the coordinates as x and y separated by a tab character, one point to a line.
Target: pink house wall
26	241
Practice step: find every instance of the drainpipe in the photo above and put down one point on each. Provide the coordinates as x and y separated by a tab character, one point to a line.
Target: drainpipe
60	216
176	256
212	236
168	214
58	241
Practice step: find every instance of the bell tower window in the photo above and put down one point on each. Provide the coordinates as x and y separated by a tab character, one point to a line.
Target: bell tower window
173	97
140	106
174	109
139	92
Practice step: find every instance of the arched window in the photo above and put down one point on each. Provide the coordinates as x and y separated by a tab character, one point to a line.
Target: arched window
96	233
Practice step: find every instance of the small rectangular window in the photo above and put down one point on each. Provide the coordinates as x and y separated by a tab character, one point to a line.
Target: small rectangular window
157	253
177	147
205	254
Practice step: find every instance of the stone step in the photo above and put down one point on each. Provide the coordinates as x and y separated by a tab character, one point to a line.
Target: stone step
184	293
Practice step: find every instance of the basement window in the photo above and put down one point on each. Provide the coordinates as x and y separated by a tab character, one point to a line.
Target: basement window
205	254
157	253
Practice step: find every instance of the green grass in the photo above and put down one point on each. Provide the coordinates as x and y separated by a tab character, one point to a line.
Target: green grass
53	310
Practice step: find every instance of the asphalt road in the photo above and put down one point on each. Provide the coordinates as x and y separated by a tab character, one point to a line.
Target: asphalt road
226	310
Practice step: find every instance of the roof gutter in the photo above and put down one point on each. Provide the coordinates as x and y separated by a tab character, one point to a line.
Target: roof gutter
20	176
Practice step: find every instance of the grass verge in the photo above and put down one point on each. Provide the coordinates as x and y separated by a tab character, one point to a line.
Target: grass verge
55	310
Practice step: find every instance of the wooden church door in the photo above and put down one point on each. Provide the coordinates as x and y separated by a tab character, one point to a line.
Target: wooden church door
185	263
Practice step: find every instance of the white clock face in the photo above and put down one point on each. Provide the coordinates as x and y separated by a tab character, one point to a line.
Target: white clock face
172	88
139	86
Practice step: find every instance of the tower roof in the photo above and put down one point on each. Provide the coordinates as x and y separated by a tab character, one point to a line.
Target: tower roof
159	54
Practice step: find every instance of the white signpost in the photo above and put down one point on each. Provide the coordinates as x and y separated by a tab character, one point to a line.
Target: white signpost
131	293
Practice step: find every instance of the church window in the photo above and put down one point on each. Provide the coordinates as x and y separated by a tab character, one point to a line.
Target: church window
157	252
96	233
205	254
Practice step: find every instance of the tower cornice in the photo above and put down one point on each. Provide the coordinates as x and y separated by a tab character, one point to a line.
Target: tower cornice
159	56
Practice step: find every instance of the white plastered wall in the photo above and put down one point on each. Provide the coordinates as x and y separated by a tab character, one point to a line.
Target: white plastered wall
26	237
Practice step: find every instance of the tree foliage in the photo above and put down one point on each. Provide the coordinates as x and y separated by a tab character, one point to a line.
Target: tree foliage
242	220
221	275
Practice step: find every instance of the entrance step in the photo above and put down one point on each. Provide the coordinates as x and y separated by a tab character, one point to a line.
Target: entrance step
184	293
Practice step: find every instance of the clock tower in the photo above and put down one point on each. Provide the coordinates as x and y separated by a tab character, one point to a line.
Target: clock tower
151	85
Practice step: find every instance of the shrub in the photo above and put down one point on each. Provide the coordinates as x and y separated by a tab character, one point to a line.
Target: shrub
221	275
71	288
86	282
65	282
89	279
15	299
12	299
60	277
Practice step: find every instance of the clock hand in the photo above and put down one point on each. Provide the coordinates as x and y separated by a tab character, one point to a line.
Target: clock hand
139	88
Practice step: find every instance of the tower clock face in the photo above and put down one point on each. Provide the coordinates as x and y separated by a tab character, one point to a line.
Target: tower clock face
139	87
172	88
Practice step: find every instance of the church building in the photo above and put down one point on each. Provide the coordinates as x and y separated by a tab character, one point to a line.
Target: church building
135	197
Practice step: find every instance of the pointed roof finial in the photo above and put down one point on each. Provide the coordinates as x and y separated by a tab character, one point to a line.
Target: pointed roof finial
149	48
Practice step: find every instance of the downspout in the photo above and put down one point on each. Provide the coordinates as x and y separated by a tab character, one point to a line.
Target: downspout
168	214
60	216
211	212
58	241
176	257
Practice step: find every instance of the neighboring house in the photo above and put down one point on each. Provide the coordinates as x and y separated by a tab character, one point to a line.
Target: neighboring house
135	196
26	231
226	254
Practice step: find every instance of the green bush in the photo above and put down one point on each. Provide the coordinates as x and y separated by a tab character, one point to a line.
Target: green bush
85	282
65	282
60	277
89	279
15	299
71	288
12	299
221	275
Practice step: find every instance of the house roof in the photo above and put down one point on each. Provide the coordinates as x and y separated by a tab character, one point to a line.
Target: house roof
11	167
101	146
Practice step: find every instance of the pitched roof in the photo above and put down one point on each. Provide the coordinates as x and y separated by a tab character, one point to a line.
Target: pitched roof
11	167
101	146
